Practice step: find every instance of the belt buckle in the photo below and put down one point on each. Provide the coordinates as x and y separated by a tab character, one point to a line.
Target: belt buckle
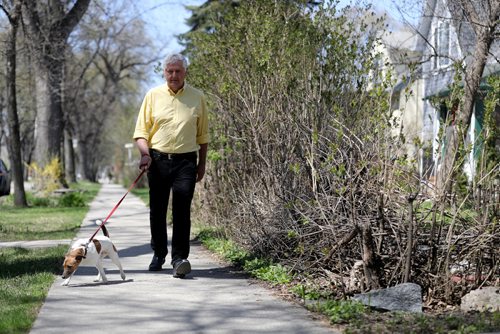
170	156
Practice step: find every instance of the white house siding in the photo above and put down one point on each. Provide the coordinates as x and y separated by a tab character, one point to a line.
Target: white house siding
411	117
437	78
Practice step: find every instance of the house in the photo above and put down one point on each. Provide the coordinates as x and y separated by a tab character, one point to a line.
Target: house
396	52
442	43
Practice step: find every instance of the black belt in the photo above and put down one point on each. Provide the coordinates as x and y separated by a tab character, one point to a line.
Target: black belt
171	156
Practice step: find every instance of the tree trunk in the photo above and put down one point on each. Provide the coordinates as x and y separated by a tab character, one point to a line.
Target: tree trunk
69	158
371	261
14	141
87	163
49	117
48	36
485	34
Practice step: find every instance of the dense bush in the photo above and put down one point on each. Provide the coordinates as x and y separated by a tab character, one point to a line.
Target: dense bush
72	200
303	166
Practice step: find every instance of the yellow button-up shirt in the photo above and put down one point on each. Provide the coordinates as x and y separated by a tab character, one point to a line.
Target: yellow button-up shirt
173	123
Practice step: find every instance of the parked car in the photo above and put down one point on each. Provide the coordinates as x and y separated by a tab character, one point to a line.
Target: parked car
4	179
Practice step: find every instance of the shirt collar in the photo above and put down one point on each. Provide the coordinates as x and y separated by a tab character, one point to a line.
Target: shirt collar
179	92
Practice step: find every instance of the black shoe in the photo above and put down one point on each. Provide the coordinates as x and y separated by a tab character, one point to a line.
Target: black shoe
156	263
181	268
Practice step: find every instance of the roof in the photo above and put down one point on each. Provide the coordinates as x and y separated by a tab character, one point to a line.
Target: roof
424	25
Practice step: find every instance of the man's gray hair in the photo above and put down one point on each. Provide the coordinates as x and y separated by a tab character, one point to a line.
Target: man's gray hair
173	58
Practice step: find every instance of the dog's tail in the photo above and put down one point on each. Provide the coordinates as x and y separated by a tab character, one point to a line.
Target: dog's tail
103	227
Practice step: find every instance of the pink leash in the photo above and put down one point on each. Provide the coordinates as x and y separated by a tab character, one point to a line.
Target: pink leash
116	206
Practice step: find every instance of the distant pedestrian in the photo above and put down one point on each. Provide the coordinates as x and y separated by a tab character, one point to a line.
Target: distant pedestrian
172	136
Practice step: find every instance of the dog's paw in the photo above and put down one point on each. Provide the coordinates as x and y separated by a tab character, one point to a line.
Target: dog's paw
64	283
123	276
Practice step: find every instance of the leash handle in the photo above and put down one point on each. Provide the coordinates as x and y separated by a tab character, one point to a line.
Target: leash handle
117	204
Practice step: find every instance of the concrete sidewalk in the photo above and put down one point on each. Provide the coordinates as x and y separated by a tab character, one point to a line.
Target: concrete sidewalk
212	299
35	243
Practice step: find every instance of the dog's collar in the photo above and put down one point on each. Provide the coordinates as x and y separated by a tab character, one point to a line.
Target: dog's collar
85	249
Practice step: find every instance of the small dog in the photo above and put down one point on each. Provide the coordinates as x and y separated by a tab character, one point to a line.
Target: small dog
92	253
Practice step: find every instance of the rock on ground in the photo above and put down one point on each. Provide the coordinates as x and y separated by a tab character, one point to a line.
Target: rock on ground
402	297
485	299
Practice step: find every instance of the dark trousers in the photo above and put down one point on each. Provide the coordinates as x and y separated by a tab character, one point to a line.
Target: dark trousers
176	173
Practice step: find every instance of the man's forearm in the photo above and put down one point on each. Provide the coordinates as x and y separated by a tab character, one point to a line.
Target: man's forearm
142	145
202	154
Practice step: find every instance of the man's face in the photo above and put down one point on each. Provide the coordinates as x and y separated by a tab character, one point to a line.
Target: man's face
175	74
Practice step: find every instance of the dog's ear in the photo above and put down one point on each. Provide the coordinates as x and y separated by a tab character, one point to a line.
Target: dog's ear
80	254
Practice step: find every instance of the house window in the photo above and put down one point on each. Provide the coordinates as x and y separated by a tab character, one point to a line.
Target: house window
443	112
447	116
442	44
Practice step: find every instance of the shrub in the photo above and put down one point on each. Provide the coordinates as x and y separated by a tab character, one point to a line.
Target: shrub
72	200
41	201
47	179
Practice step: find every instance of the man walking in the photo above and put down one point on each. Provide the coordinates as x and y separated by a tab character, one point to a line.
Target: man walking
171	134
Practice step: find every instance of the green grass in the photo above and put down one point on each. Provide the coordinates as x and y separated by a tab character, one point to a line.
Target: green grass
25	278
226	248
57	217
258	268
267	271
340	311
446	323
308	292
142	193
26	275
40	223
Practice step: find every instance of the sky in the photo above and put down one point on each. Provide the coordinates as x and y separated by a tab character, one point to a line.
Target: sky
167	18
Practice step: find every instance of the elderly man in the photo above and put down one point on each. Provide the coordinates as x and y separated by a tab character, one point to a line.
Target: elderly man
171	134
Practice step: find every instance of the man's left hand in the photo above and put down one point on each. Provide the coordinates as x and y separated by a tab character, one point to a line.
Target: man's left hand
200	172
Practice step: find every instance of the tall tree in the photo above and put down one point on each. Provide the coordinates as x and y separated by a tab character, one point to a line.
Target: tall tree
49	26
13	11
484	18
481	18
106	59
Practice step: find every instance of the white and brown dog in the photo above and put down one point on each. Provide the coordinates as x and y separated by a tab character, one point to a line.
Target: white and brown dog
84	253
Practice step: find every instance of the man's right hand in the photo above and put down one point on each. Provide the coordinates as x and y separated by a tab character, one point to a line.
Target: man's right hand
145	162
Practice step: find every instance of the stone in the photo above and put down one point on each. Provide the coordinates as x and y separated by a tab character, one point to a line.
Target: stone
402	297
485	299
